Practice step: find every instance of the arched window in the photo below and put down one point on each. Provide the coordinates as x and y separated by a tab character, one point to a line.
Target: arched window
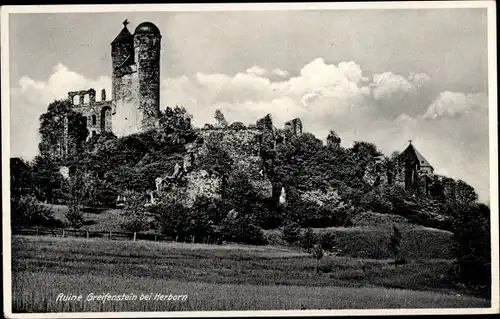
76	99
86	99
94	119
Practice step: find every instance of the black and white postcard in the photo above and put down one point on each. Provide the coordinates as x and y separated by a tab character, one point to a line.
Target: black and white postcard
249	159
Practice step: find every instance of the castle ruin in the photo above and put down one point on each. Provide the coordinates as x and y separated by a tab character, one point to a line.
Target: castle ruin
414	171
135	99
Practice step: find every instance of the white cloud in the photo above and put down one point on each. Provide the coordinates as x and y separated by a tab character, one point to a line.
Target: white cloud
386	84
419	80
456	103
281	73
257	70
387	109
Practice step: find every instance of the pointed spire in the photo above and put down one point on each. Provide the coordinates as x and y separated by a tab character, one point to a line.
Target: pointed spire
124	36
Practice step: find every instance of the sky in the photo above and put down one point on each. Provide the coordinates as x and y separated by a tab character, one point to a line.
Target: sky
381	76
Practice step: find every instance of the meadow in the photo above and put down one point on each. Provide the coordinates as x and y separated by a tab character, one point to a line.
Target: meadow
228	277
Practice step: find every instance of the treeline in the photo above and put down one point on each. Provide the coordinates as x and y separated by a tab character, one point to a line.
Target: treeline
325	185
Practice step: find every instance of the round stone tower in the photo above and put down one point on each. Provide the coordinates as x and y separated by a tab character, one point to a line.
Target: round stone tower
147	47
136	79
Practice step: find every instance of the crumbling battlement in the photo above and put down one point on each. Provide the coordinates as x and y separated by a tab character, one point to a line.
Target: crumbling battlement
98	113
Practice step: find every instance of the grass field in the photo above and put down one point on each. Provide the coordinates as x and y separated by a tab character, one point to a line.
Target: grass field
231	277
367	240
371	241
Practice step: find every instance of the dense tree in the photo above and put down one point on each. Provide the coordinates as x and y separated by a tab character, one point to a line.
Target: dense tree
171	215
333	140
134	212
47	179
327	241
464	193
472	247
220	120
308	240
21	178
53	123
291	232
77	195
216	160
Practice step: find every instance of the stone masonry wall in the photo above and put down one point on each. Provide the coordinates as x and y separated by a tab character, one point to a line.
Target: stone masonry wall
243	146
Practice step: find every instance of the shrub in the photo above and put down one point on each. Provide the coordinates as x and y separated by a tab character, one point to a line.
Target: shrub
135	219
171	216
242	230
308	239
274	238
291	232
27	212
327	241
317	253
394	244
377	202
75	217
237	126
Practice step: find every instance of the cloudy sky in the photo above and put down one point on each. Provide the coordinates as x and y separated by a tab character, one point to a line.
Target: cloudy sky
383	76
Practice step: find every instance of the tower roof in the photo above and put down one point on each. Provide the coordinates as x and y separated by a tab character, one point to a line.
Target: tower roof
147	27
124	35
421	160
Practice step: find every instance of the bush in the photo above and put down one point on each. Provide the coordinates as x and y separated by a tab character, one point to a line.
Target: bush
308	240
27	212
291	232
394	244
274	238
75	217
377	202
172	218
327	241
135	219
242	230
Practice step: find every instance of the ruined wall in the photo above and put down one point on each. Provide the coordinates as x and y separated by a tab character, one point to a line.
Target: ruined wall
126	117
376	172
200	183
98	113
243	146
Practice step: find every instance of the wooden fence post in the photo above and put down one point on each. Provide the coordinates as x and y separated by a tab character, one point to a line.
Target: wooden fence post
155	237
87	234
135	236
37	231
110	234
63	233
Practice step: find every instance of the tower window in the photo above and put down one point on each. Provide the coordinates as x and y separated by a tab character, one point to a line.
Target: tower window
94	120
93	133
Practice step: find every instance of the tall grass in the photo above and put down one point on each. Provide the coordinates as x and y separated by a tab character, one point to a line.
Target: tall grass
37	292
216	277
